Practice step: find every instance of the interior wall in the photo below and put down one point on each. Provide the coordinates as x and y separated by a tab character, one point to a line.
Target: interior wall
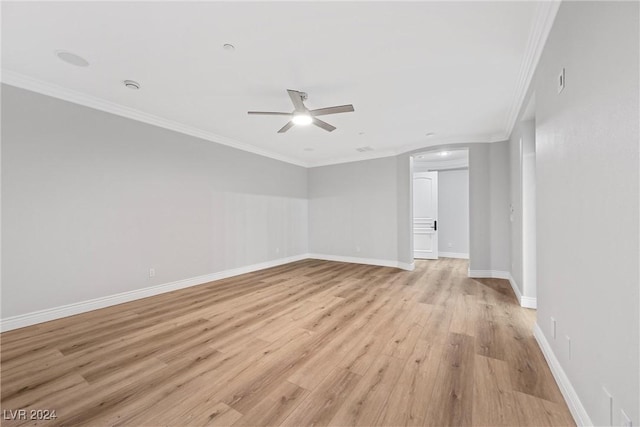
587	175
523	134
489	229
529	197
91	201
453	213
353	209
404	205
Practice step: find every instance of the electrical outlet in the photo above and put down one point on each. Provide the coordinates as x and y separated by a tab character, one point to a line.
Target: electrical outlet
277	250
554	328
357	248
152	272
568	344
449	245
625	421
609	405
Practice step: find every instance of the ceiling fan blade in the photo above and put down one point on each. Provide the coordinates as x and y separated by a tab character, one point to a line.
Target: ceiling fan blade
286	127
296	98
332	110
324	125
269	113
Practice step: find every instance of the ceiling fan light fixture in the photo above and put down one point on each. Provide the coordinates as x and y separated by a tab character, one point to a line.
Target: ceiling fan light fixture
302	119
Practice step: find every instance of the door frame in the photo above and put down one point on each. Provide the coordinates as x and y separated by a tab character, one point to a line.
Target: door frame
446	165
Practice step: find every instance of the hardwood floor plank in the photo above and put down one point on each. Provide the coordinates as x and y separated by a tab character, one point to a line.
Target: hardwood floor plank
493	403
307	343
322	404
364	405
275	407
490	333
407	405
452	398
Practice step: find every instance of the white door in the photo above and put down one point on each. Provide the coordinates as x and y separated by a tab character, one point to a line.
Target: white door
425	215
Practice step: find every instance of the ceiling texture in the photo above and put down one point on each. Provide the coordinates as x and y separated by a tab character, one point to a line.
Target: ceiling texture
456	70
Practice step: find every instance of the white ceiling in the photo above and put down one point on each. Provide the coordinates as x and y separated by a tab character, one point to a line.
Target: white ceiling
458	69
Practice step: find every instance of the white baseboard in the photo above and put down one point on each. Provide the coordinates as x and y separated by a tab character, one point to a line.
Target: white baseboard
526	302
489	274
46	315
578	411
368	261
529	302
28	319
453	255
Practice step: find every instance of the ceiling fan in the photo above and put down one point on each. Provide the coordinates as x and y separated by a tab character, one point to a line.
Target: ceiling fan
302	116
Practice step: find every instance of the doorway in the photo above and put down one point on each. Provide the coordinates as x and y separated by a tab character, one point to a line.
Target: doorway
425	214
440	204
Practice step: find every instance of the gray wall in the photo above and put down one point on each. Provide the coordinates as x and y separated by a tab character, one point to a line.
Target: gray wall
489	230
587	197
453	211
404	203
91	201
528	217
353	209
479	207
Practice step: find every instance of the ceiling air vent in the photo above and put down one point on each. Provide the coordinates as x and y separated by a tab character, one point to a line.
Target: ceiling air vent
364	149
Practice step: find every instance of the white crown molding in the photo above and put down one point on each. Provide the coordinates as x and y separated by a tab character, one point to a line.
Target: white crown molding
459	139
356	158
35	85
22	81
543	21
579	413
411	148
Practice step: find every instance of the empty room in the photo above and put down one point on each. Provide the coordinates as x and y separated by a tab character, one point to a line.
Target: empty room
282	213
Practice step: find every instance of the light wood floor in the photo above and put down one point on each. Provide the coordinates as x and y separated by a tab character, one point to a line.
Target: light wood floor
309	343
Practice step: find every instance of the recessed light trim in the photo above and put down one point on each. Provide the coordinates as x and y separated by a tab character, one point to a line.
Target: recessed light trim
71	58
444	153
308	149
430	134
130	84
228	47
